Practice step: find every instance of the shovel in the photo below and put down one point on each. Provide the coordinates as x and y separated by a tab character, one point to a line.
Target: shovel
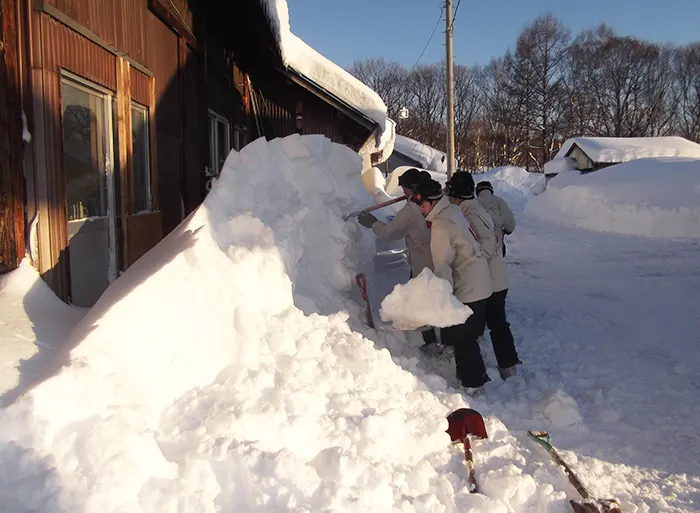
588	504
461	424
361	281
373	208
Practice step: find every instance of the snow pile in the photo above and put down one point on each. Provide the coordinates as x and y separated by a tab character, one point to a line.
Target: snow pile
427	156
624	149
558	410
425	300
197	383
306	61
33	324
559	165
657	197
513	184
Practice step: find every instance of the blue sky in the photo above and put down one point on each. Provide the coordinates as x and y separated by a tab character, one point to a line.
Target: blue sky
346	30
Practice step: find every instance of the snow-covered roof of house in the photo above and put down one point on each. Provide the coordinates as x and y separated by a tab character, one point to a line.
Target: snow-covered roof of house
300	57
624	149
427	156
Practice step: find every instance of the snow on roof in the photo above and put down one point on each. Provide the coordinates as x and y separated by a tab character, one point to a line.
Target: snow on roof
427	156
306	61
623	149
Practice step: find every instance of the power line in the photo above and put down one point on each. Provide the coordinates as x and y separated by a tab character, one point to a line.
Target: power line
454	16
430	38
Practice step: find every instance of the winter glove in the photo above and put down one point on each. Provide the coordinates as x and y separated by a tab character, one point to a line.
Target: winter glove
366	220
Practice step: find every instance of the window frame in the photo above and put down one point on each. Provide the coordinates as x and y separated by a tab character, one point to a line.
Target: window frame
147	154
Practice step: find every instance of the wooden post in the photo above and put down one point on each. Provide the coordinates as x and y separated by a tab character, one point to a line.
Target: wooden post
126	160
11	184
153	143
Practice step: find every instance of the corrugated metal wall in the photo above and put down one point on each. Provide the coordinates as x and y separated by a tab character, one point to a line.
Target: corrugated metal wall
62	47
140	87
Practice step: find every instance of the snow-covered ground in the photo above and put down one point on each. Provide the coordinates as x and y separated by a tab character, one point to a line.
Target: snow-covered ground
230	369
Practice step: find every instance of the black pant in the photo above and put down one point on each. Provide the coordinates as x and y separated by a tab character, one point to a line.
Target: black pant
471	370
501	336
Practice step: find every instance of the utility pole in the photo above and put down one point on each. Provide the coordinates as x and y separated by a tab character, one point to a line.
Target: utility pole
450	92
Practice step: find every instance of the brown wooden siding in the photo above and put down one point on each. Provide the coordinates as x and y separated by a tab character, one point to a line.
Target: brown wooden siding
145	231
163	54
11	198
193	106
62	47
140	87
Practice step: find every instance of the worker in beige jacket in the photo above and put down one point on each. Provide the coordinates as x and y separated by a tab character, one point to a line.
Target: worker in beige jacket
459	259
408	224
500	212
460	190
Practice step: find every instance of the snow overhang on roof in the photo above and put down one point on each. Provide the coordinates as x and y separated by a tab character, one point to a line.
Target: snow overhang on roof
339	85
610	150
427	156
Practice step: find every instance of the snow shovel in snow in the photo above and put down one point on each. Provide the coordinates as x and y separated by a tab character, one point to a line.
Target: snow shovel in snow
588	504
461	424
373	208
361	281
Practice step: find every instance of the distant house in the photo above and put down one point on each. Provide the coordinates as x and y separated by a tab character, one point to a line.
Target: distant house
593	153
409	152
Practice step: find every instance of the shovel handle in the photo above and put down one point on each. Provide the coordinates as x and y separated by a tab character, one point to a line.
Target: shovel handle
545	440
469	461
374	207
361	281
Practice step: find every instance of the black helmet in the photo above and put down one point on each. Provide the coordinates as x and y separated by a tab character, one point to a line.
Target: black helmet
411	178
461	185
428	190
484	186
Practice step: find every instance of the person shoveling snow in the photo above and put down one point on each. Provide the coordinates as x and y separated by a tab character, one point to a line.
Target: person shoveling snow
410	225
460	190
459	259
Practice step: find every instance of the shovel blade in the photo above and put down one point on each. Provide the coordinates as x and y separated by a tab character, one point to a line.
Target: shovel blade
596	506
463	422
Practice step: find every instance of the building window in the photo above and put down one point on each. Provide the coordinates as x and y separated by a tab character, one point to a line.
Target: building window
90	199
141	182
219	146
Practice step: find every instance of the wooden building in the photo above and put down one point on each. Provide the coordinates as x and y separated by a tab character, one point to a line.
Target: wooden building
132	106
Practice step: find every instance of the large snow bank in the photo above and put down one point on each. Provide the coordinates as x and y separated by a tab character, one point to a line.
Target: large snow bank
425	300
624	149
198	383
427	156
306	61
656	197
33	324
513	184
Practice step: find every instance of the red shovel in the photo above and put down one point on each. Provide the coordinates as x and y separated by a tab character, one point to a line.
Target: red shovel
361	281
461	424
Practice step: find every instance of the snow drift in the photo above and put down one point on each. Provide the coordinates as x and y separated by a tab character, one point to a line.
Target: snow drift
425	300
221	372
513	184
654	197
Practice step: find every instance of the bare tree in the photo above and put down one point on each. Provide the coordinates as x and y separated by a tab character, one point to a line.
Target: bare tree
390	80
468	95
538	78
427	120
687	79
